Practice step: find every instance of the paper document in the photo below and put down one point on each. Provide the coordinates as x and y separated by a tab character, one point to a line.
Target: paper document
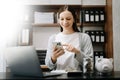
58	71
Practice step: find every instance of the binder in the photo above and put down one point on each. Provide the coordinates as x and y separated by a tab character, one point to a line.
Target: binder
93	36
102	37
97	36
96	53
92	16
101	54
87	16
97	17
88	32
102	16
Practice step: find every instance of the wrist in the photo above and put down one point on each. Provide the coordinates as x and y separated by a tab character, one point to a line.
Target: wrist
53	59
77	51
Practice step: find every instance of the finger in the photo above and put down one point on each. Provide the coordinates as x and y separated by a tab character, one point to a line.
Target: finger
54	48
64	44
61	52
58	50
71	48
67	49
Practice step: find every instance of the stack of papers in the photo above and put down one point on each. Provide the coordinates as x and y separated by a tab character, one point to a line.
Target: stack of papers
43	17
59	71
64	71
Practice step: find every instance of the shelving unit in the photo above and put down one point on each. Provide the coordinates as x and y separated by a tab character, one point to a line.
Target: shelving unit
54	8
49	8
91	17
49	25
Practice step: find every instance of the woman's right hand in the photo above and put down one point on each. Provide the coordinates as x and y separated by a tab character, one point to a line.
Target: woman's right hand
56	53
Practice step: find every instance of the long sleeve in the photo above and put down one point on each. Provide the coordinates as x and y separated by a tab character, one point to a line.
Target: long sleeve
48	60
86	48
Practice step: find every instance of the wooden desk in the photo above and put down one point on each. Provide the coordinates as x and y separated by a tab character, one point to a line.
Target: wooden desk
115	76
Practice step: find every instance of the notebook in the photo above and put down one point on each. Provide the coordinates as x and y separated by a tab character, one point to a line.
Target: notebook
23	60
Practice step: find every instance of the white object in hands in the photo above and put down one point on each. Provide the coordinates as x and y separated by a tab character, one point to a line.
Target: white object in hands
104	65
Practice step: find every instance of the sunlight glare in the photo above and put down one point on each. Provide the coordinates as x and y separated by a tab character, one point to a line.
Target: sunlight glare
10	17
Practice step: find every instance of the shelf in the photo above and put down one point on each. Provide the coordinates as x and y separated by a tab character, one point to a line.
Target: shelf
49	8
49	25
93	6
53	6
93	24
45	25
57	25
98	43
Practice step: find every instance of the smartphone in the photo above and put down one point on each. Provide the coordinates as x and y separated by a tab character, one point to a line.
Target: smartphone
57	44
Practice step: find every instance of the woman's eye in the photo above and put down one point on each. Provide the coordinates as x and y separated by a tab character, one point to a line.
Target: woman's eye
61	19
65	19
68	19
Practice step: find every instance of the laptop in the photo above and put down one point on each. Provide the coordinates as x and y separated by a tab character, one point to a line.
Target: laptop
23	60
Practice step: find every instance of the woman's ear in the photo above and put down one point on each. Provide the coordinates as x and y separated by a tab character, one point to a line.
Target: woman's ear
73	20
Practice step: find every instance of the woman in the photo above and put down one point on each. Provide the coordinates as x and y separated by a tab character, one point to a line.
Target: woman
75	45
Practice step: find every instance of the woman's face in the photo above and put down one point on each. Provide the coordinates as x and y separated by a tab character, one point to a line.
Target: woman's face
66	20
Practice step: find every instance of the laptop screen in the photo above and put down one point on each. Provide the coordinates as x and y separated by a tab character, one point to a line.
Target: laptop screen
23	60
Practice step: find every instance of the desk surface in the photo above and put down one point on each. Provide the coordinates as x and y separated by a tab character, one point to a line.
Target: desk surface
114	75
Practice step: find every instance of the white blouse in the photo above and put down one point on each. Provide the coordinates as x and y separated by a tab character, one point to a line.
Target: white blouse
69	61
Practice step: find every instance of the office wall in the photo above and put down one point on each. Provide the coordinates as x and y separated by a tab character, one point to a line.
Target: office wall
116	34
41	34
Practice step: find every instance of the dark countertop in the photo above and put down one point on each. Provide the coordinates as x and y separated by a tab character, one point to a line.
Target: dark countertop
76	76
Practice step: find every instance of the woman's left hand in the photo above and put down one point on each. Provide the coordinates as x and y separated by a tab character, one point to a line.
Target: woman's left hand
71	48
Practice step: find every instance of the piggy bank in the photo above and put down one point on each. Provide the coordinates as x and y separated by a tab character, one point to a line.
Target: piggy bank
104	65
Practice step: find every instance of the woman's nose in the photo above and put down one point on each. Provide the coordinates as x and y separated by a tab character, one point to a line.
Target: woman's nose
65	21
